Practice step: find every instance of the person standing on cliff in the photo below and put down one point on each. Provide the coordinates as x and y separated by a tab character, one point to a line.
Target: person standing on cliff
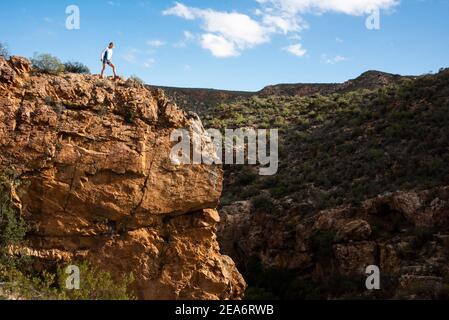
106	59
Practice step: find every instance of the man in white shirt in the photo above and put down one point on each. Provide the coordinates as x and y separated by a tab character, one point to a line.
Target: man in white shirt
106	59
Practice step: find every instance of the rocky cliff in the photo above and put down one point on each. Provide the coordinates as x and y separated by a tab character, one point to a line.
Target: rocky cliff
100	185
405	234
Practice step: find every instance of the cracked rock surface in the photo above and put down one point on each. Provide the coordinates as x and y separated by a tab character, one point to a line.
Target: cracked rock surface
101	186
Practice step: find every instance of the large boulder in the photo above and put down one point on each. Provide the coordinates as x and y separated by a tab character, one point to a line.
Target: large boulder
100	184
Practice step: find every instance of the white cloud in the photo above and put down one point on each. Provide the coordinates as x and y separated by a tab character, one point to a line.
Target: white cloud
284	24
113	3
236	27
180	10
130	55
226	33
295	37
137	57
155	43
351	7
219	46
187	37
333	60
340	58
149	63
296	49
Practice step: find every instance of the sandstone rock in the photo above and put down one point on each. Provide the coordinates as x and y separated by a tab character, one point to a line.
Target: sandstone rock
352	259
14	71
21	66
407	204
282	241
101	185
7	74
419	285
241	235
233	229
356	230
331	219
389	260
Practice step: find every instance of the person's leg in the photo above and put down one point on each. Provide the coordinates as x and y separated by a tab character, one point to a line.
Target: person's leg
102	70
113	69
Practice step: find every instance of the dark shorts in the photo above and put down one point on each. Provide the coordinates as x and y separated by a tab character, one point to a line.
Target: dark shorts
106	60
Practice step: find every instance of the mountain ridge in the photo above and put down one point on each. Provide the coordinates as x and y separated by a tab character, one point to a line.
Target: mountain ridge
200	99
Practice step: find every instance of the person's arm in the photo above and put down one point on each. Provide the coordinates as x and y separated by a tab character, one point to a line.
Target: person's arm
102	54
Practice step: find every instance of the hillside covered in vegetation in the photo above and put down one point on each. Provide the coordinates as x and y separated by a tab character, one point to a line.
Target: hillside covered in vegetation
342	148
372	161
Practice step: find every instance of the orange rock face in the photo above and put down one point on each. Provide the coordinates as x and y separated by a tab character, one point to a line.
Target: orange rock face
101	186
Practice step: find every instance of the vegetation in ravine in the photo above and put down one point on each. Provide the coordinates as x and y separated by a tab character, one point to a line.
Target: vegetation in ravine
344	148
340	149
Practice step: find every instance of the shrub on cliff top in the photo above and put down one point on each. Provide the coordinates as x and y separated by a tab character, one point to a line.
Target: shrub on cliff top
134	81
76	67
47	63
4	52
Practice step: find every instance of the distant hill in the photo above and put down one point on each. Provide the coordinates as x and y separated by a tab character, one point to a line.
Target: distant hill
368	80
201	100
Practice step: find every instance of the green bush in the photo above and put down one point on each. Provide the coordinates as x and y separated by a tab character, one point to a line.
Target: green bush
18	285
134	81
321	244
17	281
348	287
130	115
443	292
263	202
421	237
246	176
96	284
258	294
47	63
76	67
12	227
4	52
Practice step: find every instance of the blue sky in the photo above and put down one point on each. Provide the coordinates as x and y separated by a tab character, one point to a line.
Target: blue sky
236	44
